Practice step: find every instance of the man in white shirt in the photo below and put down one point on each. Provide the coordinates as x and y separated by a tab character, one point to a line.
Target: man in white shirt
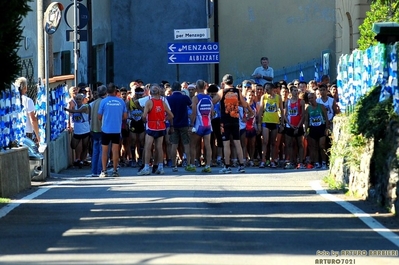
263	74
29	109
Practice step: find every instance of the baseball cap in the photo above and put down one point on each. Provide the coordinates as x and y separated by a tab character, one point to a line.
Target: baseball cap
228	79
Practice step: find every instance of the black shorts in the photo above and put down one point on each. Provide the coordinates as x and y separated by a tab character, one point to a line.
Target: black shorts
156	134
250	133
316	132
125	133
216	132
291	132
230	129
107	138
270	126
137	126
81	136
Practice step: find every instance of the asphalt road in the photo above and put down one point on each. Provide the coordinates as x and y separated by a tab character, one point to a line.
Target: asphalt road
264	216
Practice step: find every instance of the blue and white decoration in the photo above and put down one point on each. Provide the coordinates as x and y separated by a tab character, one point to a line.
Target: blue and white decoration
58	117
12	117
361	70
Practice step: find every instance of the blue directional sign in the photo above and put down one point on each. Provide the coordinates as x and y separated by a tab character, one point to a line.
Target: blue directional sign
193	53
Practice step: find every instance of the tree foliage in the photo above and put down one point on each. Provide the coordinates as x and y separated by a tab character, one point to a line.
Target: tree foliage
13	13
380	11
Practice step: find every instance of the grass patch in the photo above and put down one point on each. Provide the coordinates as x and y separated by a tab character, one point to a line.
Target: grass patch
4	200
334	184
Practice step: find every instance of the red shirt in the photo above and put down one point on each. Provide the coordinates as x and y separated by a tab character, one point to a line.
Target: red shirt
156	116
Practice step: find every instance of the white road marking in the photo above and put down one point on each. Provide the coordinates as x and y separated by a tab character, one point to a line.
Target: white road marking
11	206
365	217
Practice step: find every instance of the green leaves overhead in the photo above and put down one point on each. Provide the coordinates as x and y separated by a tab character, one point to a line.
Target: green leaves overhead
380	11
13	13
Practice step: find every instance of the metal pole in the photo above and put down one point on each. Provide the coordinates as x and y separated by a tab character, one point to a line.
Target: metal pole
48	123
40	40
75	39
90	78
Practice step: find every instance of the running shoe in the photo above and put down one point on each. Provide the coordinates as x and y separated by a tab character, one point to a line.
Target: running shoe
160	171
190	168
301	166
115	174
103	174
144	172
241	169
207	169
225	170
289	166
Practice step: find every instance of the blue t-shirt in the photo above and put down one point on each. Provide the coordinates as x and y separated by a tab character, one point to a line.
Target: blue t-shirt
112	108
216	109
178	105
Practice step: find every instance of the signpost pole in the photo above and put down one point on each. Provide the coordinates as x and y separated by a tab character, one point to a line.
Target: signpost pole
52	18
47	88
75	41
177	72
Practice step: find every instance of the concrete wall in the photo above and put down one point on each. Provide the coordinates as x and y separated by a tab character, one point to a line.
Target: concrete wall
60	153
288	32
14	171
350	14
141	31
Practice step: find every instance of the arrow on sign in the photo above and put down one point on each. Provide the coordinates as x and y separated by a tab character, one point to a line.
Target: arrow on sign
172	58
172	47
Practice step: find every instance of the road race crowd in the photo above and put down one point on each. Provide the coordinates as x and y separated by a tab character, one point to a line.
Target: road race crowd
199	126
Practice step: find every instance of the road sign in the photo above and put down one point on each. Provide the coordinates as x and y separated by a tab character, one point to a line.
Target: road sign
82	13
82	35
192	34
52	17
193	53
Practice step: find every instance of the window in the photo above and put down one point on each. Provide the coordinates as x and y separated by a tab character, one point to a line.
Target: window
110	62
65	63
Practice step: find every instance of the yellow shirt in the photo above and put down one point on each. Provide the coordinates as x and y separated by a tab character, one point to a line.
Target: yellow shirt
271	109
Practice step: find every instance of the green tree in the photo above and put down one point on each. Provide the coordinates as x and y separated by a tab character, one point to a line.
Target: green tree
380	11
12	15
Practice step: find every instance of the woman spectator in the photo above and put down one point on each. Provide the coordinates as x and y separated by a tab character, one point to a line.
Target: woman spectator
81	131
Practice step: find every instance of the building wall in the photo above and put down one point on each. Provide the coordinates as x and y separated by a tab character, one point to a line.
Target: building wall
349	16
291	33
141	31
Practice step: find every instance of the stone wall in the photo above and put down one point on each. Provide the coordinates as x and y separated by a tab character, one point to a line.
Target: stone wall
354	167
61	155
14	171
